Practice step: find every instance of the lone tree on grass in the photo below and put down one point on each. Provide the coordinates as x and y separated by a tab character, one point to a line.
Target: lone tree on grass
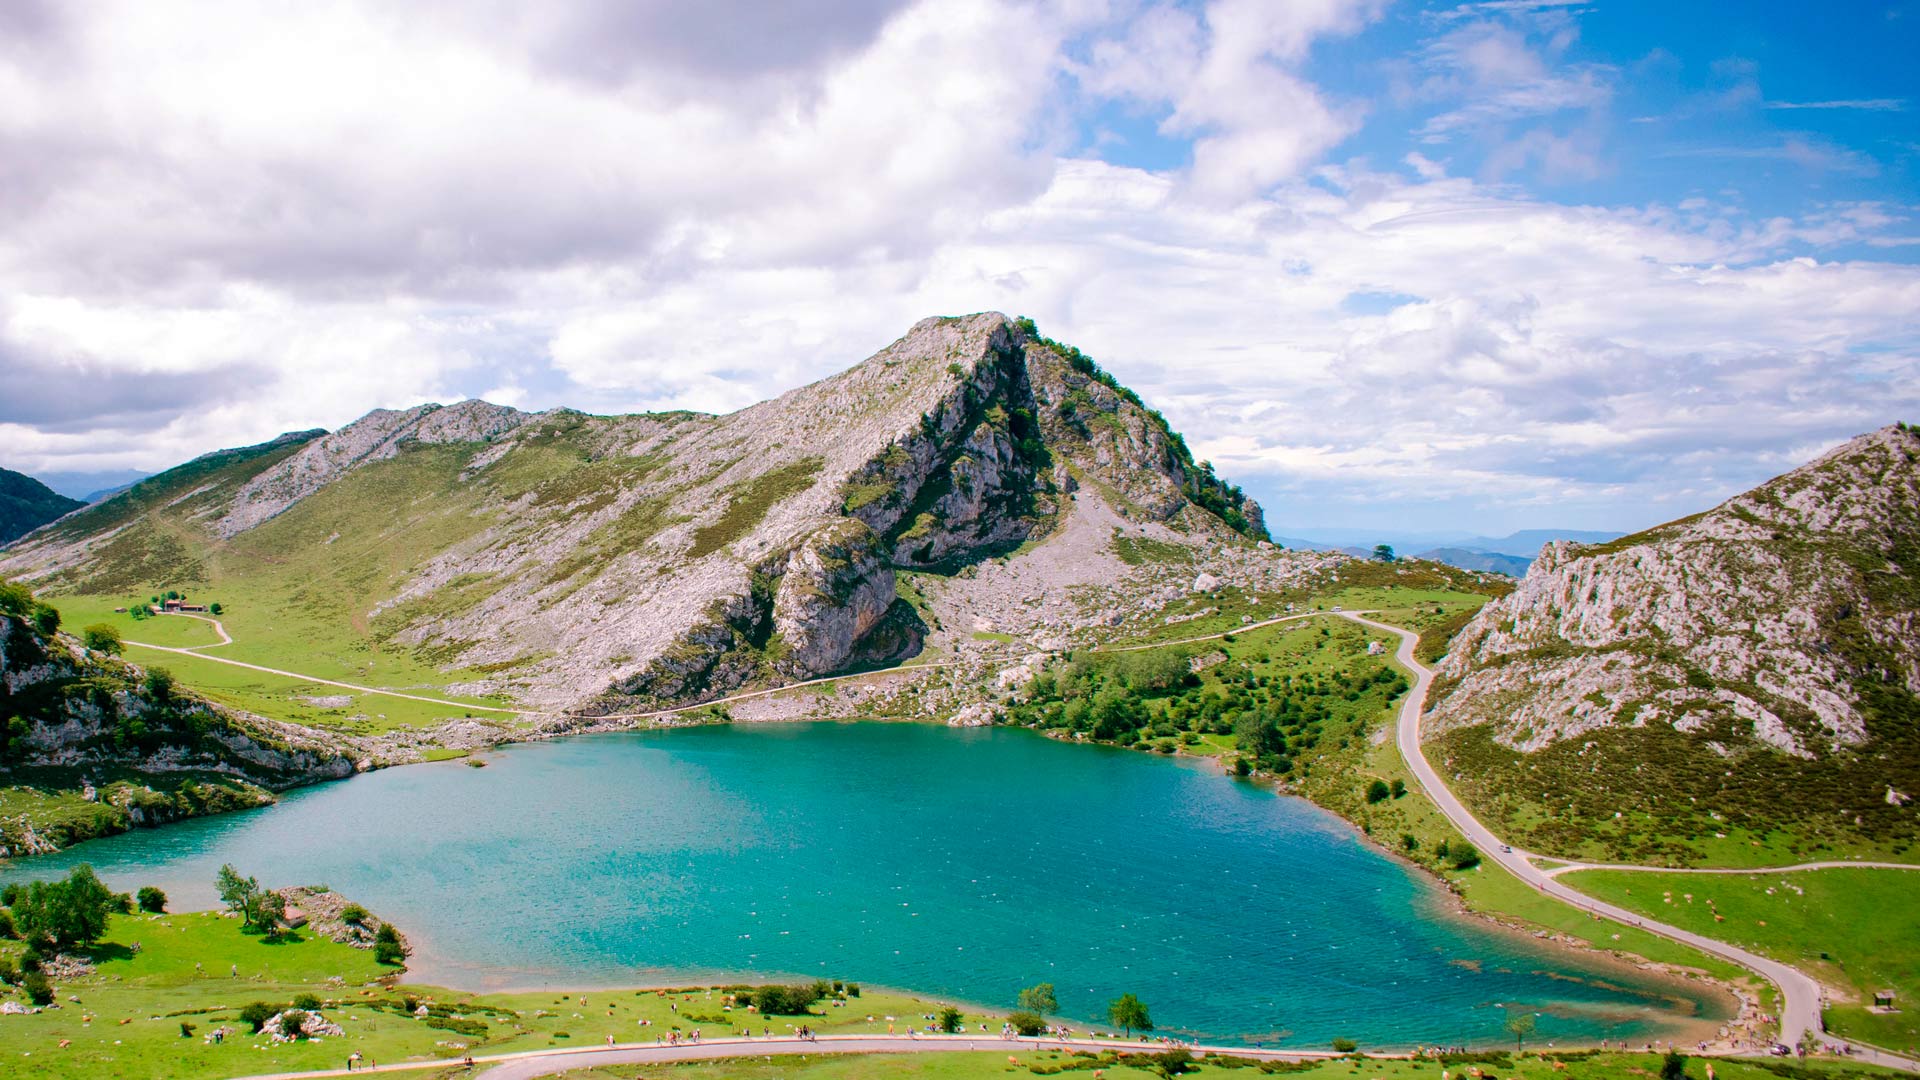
1039	999
1129	1013
1383	552
1521	1025
151	900
102	638
55	915
259	909
1673	1066
950	1019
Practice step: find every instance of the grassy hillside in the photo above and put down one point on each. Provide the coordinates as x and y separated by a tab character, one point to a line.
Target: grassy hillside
1855	929
26	504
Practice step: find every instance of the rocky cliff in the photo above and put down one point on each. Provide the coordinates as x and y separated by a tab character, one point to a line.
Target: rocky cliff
1764	651
573	561
86	722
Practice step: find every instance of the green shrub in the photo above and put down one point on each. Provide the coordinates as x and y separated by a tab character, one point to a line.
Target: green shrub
1673	1066
9	974
1027	1023
1464	856
102	638
1345	1046
779	1000
387	946
306	1001
6	928
950	1019
151	900
257	1013
38	989
292	1024
353	913
1378	791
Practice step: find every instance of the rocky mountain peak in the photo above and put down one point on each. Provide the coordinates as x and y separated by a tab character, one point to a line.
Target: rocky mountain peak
1785	618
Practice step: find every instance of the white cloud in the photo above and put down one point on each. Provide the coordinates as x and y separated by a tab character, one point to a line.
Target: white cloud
213	229
1864	104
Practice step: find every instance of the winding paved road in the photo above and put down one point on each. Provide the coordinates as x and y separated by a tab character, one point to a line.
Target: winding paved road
1800	994
535	1063
1830	864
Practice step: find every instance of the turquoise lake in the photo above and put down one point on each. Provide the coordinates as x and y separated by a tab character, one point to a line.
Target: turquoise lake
963	863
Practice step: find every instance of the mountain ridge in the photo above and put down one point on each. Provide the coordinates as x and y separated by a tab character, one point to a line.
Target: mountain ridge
1761	658
26	504
569	561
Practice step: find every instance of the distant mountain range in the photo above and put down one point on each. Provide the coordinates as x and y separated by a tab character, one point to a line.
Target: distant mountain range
26	504
1508	554
1470	559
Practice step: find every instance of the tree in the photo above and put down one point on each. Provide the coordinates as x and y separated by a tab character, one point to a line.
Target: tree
1027	1023
257	1013
1410	842
1129	1013
46	619
773	1000
214	608
102	638
1383	552
1399	788
39	990
1464	855
236	892
293	1024
258	908
152	900
389	949
159	684
1378	791
56	915
950	1019
1673	1066
1039	999
1521	1025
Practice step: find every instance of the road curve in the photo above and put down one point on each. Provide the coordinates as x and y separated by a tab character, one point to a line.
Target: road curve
1800	994
1829	864
529	1064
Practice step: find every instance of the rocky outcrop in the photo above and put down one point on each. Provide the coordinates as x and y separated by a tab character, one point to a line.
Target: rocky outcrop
834	590
616	564
74	715
376	436
1776	618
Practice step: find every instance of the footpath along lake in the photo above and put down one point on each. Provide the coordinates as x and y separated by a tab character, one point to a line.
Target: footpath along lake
964	863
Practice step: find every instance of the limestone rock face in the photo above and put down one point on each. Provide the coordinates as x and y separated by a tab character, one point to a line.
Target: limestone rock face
1779	618
614	564
379	435
835	590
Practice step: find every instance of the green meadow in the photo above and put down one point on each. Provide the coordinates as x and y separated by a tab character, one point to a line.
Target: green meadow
1855	929
155	973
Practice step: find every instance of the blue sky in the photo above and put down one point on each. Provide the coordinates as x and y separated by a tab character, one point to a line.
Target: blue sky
1412	267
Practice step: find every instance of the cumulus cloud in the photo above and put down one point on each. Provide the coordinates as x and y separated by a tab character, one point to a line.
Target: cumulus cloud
216	225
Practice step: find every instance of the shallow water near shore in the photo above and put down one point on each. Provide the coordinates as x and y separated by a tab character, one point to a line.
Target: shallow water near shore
962	863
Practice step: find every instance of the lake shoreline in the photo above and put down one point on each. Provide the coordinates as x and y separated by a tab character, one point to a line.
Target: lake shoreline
1670	1026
